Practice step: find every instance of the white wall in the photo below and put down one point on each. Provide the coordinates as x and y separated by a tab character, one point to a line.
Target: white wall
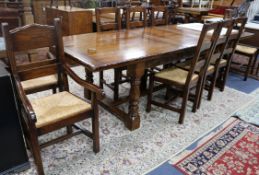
254	9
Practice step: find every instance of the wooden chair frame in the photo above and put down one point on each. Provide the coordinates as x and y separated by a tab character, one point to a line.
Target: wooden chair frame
216	58
24	70
229	52
38	36
251	61
199	62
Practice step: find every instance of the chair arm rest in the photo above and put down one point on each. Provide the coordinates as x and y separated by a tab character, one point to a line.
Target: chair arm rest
99	92
24	100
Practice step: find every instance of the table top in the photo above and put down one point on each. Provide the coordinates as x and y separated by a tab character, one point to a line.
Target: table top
104	50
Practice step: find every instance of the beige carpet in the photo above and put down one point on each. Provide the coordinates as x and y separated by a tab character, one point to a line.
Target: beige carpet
124	152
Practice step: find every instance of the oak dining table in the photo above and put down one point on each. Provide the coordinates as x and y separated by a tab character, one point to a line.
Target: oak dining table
136	49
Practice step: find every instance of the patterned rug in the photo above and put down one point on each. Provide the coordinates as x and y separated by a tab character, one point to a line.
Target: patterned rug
230	148
234	149
124	152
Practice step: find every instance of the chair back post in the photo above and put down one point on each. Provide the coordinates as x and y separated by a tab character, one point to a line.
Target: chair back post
118	18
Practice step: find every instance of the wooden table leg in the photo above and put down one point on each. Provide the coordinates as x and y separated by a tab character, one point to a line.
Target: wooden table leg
89	78
135	72
143	85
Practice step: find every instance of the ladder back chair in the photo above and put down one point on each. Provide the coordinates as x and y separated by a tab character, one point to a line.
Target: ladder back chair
46	114
159	15
185	80
136	17
215	61
229	52
251	53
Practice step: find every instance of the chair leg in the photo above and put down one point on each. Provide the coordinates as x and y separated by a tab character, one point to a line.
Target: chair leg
101	79
254	62
69	129
224	77
203	83
167	92
212	85
150	91
95	126
183	107
198	95
143	85
54	90
117	78
249	65
35	148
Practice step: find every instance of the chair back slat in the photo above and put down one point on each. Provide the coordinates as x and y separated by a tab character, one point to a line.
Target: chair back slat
27	66
27	74
32	36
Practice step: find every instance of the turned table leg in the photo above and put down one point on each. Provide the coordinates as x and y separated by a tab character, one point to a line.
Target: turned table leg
135	72
89	78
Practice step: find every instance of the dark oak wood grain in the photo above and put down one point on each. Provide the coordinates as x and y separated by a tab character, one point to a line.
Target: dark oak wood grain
30	36
125	47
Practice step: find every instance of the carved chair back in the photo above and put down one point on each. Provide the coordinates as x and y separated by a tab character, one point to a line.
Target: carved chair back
31	37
